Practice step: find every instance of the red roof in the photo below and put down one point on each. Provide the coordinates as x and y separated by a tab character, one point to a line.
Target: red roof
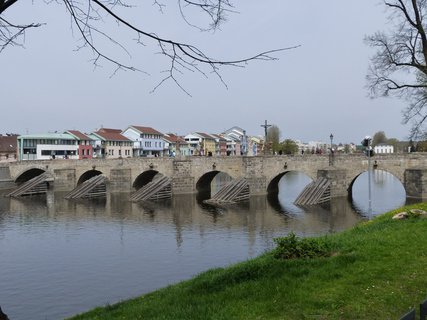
174	138
111	134
79	135
148	130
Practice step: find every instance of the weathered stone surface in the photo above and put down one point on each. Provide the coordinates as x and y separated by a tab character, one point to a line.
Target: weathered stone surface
400	216
65	179
120	180
418	212
262	173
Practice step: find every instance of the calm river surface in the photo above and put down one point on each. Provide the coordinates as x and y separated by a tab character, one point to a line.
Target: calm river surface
60	257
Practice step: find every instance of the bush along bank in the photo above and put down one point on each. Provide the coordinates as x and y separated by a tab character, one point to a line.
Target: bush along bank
376	270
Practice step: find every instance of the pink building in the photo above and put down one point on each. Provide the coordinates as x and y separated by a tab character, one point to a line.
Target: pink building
85	149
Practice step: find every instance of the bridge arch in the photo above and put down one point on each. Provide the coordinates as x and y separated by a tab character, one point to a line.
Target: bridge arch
87	175
205	180
359	173
144	178
203	184
28	175
273	185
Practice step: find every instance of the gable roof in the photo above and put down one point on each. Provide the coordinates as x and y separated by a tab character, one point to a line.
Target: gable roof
219	137
235	129
78	135
173	138
205	135
148	130
111	134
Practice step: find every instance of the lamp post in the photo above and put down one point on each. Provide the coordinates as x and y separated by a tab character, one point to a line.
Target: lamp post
331	156
367	143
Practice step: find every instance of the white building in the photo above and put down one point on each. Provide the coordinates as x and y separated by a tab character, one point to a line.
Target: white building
47	146
383	148
110	143
146	141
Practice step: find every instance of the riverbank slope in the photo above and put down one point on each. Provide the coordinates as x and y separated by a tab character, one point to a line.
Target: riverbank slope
378	270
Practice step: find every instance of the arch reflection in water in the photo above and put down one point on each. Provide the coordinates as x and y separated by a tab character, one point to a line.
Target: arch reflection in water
388	193
284	189
210	183
303	220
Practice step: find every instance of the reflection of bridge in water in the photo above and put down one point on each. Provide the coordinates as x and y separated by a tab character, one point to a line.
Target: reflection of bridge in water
189	175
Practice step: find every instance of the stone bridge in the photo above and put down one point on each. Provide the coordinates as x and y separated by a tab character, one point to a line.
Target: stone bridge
195	173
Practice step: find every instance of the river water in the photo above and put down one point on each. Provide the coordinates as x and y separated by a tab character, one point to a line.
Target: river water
60	257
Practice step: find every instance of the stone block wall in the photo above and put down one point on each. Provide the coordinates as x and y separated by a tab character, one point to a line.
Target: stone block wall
182	179
416	183
338	179
65	179
254	174
4	173
120	180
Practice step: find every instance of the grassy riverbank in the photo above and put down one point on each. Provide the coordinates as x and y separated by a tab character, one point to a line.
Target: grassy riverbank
378	270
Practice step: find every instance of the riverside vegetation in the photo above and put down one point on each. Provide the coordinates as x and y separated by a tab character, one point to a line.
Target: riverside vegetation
376	270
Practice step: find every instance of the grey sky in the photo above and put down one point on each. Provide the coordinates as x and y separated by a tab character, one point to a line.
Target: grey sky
309	93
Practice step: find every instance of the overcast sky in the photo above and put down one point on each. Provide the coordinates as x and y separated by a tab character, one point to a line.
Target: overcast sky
309	93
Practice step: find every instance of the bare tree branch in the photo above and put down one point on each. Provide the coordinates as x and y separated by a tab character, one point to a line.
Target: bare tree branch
87	15
399	66
4	4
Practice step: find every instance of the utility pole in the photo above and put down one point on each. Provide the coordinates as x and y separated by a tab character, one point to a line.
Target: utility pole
265	126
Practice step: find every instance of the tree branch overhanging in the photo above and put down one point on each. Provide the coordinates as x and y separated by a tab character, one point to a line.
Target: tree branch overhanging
87	16
399	66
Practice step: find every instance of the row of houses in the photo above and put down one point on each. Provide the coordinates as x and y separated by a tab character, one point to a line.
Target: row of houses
134	141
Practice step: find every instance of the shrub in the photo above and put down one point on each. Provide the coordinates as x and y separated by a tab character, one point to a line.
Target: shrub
291	247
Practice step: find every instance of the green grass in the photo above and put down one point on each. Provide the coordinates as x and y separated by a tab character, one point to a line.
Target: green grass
377	270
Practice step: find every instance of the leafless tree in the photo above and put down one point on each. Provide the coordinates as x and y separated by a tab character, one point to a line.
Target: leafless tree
273	137
89	16
399	66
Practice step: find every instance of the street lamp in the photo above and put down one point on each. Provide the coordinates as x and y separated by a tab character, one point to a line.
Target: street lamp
331	156
367	143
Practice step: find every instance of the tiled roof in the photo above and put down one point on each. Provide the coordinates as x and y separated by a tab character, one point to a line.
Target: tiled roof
148	130
8	144
205	135
217	136
174	138
78	135
111	134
